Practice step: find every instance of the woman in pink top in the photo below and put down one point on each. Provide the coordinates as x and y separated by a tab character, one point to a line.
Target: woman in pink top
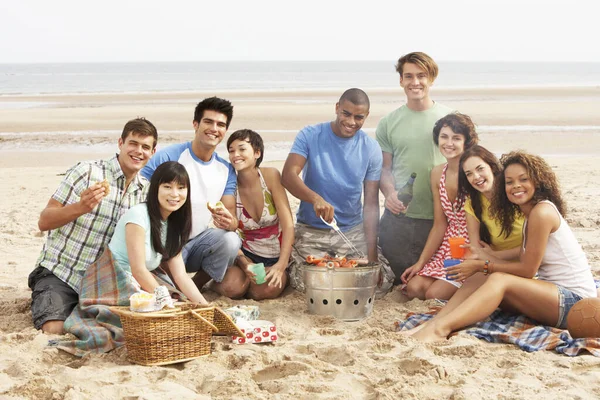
264	214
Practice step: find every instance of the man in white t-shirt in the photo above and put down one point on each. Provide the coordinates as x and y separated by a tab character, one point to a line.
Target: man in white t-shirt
209	252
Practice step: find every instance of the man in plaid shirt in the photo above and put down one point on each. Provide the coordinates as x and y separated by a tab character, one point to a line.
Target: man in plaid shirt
80	219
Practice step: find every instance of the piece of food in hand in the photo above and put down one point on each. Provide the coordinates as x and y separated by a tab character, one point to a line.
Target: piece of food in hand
105	185
213	207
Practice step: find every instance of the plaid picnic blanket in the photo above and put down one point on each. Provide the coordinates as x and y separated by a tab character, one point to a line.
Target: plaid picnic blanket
525	332
97	329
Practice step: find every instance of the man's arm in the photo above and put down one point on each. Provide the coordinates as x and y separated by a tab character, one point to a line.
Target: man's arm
226	220
388	185
57	214
371	217
290	178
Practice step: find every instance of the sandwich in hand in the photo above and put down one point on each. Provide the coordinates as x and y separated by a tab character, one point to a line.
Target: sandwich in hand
106	187
213	207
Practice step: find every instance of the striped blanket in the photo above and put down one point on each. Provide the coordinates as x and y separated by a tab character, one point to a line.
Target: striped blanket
502	327
96	328
520	330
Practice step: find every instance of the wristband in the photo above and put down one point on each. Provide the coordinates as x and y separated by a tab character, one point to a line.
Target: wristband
486	267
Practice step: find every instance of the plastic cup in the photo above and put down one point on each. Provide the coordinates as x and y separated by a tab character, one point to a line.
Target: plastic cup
449	263
259	270
456	251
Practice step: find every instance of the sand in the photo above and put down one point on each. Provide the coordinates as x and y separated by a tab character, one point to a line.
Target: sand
316	356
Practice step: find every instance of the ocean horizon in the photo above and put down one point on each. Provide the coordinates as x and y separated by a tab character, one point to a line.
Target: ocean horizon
88	78
104	141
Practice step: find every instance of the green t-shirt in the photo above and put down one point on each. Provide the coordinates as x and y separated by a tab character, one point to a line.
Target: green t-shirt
408	136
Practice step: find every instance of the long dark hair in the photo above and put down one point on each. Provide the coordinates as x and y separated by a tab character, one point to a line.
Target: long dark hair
180	221
465	188
543	178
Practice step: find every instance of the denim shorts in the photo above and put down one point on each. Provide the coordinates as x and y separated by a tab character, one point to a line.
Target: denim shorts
213	251
566	300
268	262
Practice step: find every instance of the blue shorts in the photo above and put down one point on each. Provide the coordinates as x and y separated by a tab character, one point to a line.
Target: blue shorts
268	262
212	251
566	300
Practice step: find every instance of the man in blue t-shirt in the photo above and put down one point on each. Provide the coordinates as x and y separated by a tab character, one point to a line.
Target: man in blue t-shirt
209	252
337	159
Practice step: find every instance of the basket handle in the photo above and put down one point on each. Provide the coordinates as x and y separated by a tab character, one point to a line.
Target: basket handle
196	315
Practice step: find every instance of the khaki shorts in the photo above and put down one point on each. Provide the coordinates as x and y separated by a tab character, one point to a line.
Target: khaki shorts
317	242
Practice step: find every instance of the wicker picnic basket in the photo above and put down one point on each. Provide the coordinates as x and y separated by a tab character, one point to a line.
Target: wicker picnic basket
172	335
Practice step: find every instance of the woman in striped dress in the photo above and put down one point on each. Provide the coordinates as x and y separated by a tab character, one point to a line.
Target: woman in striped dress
426	279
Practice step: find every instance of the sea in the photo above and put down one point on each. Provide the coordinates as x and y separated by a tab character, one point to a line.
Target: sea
271	76
37	79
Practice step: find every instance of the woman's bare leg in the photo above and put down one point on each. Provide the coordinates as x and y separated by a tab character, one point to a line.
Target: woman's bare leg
440	289
417	286
535	298
264	291
469	286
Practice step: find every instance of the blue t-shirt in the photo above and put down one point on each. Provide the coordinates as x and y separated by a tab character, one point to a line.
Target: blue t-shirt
209	180
137	215
336	169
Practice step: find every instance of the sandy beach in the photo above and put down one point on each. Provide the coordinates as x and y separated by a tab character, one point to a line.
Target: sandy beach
316	357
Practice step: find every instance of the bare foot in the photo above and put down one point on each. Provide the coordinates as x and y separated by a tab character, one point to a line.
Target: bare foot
429	335
412	331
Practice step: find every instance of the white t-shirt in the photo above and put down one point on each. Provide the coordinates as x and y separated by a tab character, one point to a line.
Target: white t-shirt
209	180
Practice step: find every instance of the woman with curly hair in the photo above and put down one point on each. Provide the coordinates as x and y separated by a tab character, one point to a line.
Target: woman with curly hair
527	186
478	170
426	279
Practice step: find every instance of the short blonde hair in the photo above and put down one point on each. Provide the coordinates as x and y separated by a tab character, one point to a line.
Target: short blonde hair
420	59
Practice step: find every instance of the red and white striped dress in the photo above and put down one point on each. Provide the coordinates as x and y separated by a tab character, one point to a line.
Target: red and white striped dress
457	226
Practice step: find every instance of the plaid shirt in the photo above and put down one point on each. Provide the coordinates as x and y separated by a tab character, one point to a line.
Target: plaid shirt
70	249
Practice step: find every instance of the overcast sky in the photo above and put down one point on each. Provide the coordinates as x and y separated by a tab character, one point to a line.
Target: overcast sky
220	30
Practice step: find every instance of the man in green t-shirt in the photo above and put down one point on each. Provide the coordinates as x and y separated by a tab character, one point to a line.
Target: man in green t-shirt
406	139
